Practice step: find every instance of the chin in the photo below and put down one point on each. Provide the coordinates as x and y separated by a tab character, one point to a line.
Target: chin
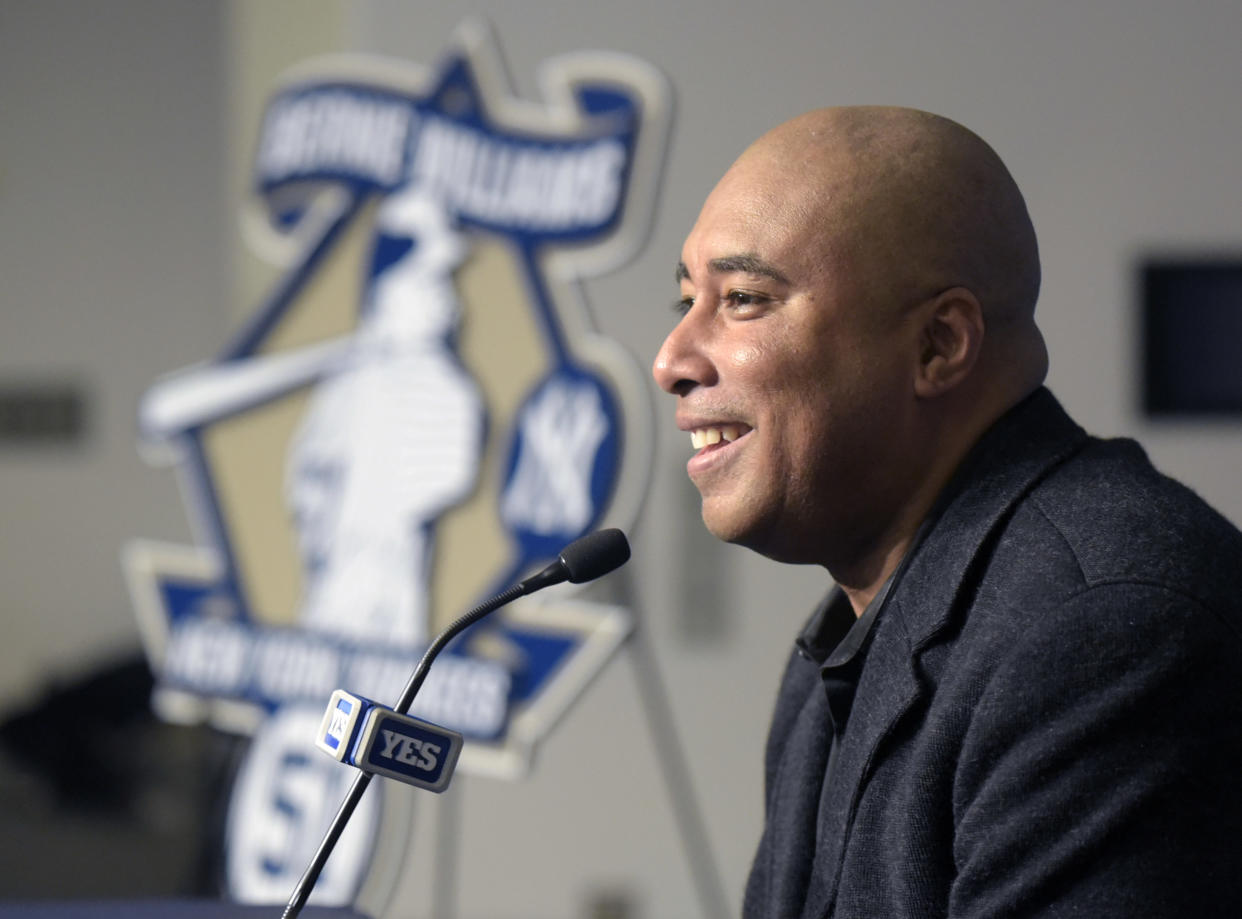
770	539
739	529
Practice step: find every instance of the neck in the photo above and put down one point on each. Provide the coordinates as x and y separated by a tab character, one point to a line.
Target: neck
861	593
862	579
864	572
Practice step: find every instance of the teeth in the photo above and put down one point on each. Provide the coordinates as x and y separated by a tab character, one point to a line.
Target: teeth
706	437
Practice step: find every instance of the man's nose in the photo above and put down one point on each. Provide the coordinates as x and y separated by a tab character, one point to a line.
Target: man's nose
682	362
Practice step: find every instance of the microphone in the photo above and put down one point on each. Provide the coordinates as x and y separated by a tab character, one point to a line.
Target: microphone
354	733
585	559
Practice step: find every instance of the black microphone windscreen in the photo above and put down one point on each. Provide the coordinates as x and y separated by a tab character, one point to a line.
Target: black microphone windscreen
594	555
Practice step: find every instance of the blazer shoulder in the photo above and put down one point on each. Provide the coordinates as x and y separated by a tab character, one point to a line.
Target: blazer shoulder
1123	521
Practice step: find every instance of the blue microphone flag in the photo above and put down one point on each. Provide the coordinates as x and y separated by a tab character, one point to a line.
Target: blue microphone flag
374	738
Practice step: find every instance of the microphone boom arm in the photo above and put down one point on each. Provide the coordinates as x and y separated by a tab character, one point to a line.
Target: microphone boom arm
585	559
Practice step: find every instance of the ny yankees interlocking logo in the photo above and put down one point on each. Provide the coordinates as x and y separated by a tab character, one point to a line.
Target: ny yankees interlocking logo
560	430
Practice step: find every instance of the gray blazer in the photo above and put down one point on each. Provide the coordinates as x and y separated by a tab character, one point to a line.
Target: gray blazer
1049	717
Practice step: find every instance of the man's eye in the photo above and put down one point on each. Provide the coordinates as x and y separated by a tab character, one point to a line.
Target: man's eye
682	306
744	302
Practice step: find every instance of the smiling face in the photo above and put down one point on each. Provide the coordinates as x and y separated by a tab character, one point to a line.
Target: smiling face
831	364
792	365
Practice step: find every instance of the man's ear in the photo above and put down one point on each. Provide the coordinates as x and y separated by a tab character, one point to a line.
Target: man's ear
949	341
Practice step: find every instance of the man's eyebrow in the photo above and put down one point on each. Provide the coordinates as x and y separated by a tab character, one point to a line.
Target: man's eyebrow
735	264
747	264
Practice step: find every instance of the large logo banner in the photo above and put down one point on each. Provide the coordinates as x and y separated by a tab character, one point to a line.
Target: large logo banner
420	413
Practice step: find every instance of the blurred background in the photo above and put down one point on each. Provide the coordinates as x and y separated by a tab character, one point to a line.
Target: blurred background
126	138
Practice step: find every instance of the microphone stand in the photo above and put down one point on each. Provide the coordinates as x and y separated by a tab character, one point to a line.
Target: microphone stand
302	892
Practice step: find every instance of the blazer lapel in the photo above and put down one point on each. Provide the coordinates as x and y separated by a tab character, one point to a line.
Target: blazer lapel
889	686
1019	451
1023	447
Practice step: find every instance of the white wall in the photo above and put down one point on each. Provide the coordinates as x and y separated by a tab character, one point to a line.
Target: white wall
112	271
1119	119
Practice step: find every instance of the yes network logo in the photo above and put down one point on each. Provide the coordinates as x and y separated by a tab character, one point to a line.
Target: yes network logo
420	413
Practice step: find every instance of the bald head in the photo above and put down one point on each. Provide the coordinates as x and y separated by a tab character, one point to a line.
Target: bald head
922	201
858	295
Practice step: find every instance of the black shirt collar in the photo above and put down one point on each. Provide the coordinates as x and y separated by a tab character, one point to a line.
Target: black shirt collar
836	641
834	634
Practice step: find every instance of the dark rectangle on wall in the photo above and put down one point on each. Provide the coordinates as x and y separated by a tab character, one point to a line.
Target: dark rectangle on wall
1192	337
41	413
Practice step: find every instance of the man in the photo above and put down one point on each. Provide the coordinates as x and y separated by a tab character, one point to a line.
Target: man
1023	697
